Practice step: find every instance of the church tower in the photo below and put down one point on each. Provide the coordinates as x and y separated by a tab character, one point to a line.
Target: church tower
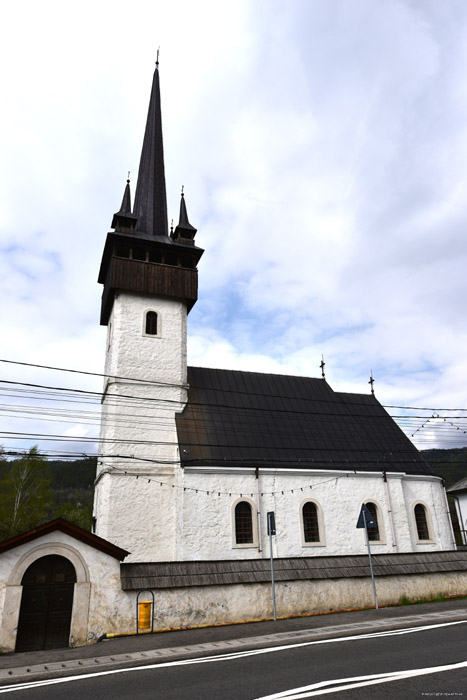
150	283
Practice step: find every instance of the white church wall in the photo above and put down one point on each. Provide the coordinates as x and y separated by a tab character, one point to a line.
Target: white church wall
208	526
430	493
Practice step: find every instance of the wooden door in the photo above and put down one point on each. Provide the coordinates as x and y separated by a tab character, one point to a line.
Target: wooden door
46	604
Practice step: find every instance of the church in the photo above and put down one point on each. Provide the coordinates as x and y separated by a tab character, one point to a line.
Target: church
191	461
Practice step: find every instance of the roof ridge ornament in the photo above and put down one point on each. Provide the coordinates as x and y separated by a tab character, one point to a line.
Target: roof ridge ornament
323	365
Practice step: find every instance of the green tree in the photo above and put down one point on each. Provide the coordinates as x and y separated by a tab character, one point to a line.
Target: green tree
25	498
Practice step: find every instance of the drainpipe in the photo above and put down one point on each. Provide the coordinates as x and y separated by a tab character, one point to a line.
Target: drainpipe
391	520
448	514
258	511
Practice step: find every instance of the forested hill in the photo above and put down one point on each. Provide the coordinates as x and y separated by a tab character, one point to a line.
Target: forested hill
449	464
34	491
79	474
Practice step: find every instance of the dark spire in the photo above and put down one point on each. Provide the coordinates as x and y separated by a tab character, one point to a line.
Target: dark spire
150	197
184	231
126	201
124	219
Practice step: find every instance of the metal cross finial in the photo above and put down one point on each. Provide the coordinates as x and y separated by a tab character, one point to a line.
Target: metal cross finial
322	365
128	178
172	226
372	381
157	58
182	191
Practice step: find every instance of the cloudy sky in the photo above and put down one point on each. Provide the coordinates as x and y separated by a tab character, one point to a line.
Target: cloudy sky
322	145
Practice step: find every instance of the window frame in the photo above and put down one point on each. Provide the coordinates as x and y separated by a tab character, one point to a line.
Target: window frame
379	520
321	542
254	524
158	317
429	523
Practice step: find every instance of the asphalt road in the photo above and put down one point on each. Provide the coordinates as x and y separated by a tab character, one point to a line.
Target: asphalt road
419	662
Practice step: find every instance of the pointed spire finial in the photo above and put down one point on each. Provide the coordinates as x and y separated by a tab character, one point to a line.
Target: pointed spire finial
372	381
322	365
124	219
184	230
157	57
150	197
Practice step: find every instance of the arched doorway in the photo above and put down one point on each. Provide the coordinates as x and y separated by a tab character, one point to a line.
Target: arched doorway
46	604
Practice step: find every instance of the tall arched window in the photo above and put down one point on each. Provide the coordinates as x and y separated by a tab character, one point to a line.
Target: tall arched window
151	323
243	523
310	522
373	531
421	522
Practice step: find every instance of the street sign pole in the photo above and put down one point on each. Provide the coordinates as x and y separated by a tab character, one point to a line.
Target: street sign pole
271	532
371	564
364	519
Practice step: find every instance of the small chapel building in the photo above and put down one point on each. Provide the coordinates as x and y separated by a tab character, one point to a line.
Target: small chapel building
191	460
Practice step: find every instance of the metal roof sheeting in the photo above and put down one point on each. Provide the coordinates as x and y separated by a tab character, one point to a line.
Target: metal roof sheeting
251	419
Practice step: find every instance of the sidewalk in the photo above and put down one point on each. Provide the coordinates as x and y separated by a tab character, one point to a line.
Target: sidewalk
165	646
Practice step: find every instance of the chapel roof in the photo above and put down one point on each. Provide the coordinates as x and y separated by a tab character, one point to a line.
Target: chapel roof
250	419
62	525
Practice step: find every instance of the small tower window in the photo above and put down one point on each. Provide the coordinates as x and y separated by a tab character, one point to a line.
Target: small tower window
151	323
421	522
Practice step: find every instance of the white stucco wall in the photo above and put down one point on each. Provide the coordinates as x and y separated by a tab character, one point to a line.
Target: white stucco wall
138	431
208	528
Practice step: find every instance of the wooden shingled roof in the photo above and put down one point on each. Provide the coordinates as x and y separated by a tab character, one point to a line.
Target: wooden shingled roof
211	573
251	419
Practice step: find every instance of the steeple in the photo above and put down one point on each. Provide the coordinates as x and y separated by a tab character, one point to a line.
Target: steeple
184	232
150	197
139	255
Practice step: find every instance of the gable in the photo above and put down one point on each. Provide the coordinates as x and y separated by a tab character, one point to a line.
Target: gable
68	528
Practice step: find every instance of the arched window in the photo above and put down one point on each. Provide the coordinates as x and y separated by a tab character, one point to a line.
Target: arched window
151	323
373	530
421	522
243	523
310	522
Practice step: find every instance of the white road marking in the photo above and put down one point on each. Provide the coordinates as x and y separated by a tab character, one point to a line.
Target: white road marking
310	691
238	655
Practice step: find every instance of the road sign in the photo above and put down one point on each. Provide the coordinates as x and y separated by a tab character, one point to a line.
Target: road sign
365	515
271	523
